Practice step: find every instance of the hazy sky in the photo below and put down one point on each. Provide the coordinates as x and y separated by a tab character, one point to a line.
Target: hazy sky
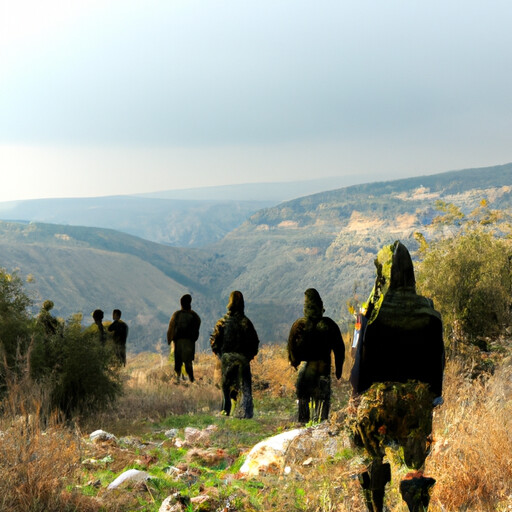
105	97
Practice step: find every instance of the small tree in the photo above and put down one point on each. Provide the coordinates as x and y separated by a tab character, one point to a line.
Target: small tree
469	279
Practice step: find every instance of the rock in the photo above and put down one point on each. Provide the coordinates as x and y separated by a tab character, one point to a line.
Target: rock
269	453
100	435
130	476
209	457
291	450
171	433
175	503
194	436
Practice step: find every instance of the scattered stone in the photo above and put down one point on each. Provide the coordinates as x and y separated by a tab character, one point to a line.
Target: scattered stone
194	436
175	503
99	436
171	433
130	476
294	449
269	453
209	457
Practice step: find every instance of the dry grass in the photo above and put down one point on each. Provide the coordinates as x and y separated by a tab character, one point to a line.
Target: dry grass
472	457
470	460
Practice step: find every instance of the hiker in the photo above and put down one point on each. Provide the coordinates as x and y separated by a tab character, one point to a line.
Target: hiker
47	320
235	342
397	379
183	331
311	340
119	331
97	316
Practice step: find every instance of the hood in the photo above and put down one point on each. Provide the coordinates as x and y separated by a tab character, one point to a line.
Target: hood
313	305
236	303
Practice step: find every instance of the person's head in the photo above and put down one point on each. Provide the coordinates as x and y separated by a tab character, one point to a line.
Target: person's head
236	302
402	269
313	305
186	301
116	314
97	315
47	305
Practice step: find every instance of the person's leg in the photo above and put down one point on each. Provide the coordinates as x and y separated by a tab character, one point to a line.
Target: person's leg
178	358
247	403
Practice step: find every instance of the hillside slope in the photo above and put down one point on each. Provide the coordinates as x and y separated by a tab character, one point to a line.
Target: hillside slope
329	240
82	269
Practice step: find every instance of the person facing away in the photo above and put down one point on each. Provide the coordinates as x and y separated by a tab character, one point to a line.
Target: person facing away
235	342
97	316
312	338
47	320
183	331
119	331
397	380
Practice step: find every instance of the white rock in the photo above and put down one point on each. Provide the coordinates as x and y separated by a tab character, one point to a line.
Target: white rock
269	452
132	475
101	435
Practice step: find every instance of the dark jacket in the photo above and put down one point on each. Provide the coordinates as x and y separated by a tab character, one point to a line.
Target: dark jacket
404	335
314	336
184	324
234	332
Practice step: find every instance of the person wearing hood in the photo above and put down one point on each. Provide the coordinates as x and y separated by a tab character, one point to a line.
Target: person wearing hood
311	340
235	342
397	379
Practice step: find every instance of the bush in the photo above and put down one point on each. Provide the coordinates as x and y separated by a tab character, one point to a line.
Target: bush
469	279
80	371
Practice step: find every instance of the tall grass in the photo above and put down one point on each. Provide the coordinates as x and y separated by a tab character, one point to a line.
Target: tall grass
41	456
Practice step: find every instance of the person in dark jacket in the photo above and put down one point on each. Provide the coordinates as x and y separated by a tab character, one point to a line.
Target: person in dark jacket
184	331
397	378
119	331
235	342
312	338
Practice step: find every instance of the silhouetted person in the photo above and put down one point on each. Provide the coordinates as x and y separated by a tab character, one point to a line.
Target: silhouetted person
397	373
97	316
312	338
183	331
47	320
235	342
119	331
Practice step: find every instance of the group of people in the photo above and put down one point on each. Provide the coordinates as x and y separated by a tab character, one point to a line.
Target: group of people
396	377
118	329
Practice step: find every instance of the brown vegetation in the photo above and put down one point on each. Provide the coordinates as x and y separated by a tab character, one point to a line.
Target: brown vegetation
44	469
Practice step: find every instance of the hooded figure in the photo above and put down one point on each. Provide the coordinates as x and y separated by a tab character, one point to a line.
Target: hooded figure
235	342
397	373
312	338
183	330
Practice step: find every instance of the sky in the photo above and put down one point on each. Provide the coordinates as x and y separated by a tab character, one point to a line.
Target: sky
102	97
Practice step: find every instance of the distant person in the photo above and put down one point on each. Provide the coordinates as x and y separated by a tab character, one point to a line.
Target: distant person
183	331
397	379
119	331
97	316
235	342
47	320
311	340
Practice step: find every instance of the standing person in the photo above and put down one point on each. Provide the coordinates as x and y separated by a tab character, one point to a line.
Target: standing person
235	342
397	380
119	331
312	338
183	331
97	316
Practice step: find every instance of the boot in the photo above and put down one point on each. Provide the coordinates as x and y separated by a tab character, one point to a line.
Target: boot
374	483
415	491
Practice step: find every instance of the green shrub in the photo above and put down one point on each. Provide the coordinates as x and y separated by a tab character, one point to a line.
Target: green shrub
469	279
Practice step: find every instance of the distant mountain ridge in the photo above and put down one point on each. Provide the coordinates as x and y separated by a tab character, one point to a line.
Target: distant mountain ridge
326	240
